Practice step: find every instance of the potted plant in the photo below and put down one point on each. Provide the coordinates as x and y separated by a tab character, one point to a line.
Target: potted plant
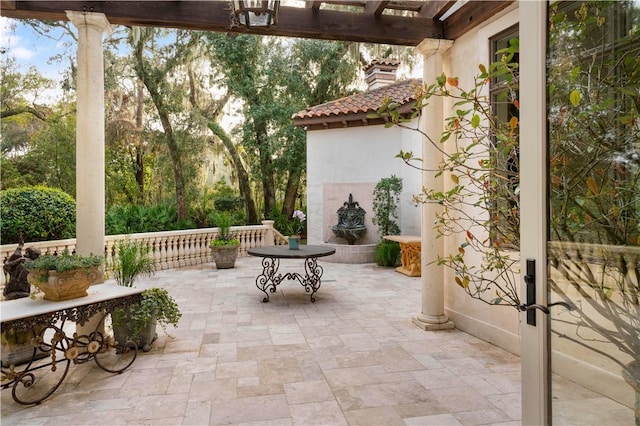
224	247
296	228
64	276
138	322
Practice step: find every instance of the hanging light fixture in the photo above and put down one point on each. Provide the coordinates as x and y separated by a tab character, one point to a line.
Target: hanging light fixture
256	13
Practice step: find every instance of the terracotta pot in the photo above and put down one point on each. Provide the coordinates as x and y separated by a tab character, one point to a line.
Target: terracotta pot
64	285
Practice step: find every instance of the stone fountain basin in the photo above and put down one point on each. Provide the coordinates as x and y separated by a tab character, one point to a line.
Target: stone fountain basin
351	234
357	253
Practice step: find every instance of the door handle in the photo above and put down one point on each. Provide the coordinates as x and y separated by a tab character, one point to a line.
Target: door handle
545	309
531	305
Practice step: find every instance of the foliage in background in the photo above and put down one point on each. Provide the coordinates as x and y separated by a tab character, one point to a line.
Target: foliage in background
130	219
36	214
388	253
386	197
131	260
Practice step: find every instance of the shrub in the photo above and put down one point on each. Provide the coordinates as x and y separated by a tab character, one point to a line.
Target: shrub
388	253
134	218
385	205
37	214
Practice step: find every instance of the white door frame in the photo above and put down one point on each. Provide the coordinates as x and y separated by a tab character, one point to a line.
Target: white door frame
533	207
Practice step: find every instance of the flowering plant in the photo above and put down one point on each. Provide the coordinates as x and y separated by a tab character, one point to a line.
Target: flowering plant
298	219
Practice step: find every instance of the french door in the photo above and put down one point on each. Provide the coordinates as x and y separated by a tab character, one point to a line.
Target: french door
580	210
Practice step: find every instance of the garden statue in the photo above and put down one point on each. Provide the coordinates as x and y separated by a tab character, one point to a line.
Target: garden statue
18	286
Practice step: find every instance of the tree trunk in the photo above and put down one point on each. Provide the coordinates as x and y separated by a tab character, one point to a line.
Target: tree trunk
139	167
291	193
243	176
151	84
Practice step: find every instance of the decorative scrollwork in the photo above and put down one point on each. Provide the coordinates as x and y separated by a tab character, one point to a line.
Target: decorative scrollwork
270	278
63	349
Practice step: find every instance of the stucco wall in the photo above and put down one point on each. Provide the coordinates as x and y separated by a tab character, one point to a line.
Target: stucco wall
353	160
498	325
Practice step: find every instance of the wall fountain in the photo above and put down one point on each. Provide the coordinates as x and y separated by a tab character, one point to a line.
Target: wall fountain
351	228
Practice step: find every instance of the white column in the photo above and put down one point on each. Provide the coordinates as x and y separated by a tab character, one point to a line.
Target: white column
90	191
432	316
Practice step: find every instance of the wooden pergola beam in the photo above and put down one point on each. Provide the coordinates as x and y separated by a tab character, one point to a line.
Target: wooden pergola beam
216	16
370	25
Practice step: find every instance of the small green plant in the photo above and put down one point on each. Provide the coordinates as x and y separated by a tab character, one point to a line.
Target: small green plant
388	253
386	196
132	259
225	237
156	302
64	261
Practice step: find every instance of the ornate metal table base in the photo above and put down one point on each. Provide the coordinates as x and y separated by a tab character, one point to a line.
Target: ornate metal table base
54	350
270	278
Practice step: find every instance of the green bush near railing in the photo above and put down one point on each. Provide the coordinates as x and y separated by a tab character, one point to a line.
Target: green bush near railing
36	214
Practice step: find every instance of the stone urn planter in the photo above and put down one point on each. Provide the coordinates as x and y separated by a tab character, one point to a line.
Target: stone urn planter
65	285
64	276
225	255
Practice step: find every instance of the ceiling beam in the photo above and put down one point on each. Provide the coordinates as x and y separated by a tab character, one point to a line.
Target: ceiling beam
7	5
375	7
315	5
216	16
436	8
471	15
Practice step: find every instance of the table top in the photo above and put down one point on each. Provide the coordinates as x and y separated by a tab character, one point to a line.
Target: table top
11	310
284	252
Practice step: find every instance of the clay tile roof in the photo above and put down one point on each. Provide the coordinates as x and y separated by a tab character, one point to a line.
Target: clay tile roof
387	62
402	92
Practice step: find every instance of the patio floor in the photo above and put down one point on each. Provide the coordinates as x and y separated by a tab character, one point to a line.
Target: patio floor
352	357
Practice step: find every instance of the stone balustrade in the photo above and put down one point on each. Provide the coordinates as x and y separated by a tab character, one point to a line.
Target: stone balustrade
171	249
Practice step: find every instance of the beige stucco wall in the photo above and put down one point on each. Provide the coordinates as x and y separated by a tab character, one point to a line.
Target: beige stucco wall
353	160
498	325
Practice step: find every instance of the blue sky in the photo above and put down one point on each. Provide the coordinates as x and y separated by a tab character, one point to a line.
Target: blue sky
28	48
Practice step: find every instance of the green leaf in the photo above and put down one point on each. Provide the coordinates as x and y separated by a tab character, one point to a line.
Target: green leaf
575	98
475	121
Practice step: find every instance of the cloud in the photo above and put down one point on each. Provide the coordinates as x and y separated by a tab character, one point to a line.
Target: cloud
22	53
12	43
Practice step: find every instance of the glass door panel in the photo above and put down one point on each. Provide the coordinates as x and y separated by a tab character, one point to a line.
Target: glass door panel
593	164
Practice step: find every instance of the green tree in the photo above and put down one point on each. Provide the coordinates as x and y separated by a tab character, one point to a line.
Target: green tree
274	78
159	60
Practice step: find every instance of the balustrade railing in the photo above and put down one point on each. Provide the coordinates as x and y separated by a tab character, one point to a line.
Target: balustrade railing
170	249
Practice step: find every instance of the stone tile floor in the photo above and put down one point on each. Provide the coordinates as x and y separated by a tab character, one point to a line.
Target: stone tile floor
352	357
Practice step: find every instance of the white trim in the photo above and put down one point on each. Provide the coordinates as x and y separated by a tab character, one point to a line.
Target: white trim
533	231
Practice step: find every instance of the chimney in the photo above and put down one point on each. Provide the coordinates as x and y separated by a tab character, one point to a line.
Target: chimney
381	72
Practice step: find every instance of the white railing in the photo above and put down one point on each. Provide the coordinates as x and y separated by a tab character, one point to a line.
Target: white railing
170	249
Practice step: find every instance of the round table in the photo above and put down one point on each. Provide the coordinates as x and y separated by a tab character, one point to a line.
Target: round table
269	279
